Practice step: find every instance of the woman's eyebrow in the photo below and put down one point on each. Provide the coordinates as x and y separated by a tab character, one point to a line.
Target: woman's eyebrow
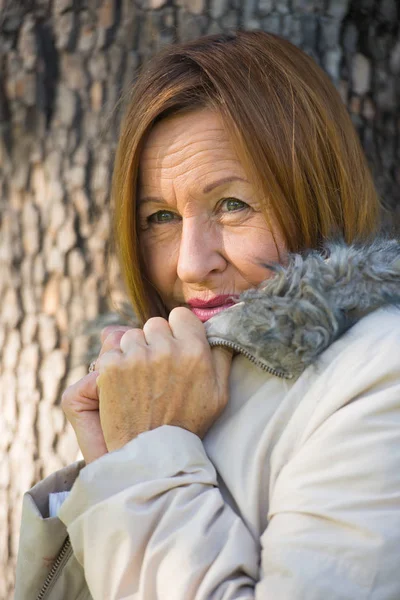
151	199
206	190
209	187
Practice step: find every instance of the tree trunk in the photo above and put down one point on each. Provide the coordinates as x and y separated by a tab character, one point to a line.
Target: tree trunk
63	65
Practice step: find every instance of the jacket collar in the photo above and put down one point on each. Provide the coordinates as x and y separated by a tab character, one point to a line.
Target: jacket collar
288	321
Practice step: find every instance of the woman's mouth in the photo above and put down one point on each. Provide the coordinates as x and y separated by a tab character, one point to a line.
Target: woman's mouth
204	310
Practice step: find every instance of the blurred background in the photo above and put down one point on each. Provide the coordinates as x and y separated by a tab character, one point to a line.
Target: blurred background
64	64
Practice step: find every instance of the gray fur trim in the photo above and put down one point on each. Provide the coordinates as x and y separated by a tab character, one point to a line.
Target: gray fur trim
290	319
294	316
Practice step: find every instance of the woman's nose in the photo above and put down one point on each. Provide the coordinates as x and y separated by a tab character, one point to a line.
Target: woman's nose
200	250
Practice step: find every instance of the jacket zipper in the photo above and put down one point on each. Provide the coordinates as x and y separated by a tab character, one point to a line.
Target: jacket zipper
253	359
63	556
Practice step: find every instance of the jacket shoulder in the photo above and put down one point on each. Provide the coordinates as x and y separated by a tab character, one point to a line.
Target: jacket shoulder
372	338
363	363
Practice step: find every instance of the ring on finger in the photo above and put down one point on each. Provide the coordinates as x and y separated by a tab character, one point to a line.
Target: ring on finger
92	366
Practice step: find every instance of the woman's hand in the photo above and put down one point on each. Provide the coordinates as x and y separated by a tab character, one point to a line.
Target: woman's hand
165	374
80	403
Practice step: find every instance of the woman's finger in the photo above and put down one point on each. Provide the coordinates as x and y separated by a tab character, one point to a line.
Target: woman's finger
108	358
105	332
111	341
87	386
184	323
131	339
158	333
84	387
81	396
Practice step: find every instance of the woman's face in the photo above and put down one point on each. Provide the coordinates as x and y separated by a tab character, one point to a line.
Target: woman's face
202	232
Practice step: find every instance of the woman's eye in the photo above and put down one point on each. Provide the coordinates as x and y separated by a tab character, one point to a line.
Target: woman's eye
161	216
227	205
233	204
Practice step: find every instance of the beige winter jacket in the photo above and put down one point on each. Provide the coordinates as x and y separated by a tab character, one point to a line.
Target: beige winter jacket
295	491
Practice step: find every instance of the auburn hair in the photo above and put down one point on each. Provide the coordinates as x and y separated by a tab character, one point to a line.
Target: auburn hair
288	124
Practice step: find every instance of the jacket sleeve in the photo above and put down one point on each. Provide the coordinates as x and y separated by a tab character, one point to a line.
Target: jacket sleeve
41	537
149	521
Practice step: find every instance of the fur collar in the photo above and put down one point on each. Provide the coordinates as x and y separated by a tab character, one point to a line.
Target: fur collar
288	321
293	317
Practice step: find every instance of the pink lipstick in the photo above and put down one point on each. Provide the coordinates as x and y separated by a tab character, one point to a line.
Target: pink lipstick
204	310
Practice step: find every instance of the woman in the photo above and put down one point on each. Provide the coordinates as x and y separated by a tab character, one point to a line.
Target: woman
243	442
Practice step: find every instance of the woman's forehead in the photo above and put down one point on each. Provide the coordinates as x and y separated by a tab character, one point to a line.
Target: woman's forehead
190	146
185	135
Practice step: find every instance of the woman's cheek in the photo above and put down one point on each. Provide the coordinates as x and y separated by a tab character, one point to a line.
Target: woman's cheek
250	252
160	254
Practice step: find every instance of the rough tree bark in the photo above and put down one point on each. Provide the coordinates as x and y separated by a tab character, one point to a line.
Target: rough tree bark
63	65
